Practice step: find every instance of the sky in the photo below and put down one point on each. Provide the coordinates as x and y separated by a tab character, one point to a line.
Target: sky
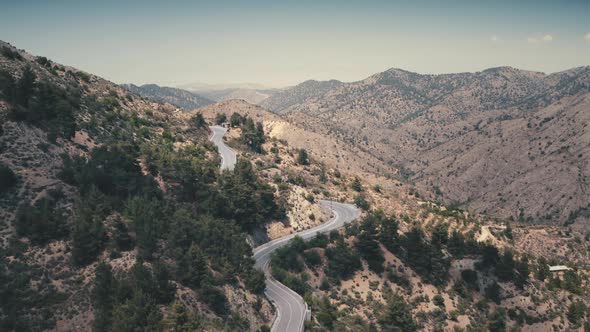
281	43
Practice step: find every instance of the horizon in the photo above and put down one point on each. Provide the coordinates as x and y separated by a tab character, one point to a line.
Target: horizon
280	45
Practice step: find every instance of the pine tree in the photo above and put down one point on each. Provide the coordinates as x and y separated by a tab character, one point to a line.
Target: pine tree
356	185
192	269
497	321
7	86
397	316
389	236
148	220
302	157
88	235
220	118
440	235
235	119
102	296
165	289
121	237
25	87
139	313
199	120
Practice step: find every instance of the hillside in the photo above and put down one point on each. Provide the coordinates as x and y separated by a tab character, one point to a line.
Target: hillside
177	97
486	141
282	100
434	273
111	211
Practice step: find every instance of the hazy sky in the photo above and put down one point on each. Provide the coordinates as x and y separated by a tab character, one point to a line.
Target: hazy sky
280	43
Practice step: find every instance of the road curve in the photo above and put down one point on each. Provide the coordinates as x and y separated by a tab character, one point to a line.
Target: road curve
290	306
228	155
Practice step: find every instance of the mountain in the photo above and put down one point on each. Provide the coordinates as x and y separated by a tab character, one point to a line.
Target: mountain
114	214
408	262
488	141
299	94
177	97
252	96
222	86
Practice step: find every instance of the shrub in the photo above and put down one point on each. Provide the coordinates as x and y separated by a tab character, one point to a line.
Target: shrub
42	221
220	118
214	298
10	53
302	157
7	178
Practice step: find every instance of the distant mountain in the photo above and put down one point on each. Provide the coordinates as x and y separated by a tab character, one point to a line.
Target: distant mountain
489	140
180	98
299	94
253	96
197	86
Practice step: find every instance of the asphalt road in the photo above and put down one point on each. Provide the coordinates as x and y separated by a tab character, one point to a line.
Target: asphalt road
290	306
228	155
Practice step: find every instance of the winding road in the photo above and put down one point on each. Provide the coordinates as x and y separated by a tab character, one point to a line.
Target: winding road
228	155
291	308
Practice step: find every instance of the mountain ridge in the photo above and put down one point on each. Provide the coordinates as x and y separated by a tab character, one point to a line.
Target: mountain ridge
180	98
409	119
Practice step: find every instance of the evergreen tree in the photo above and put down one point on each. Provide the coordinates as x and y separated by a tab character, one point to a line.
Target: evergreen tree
88	234
370	251
235	119
192	269
389	235
342	261
356	185
25	87
102	296
121	237
215	298
576	312
7	178
139	313
542	271
362	202
522	272
497	321
149	222
220	118
505	267
41	222
256	281
165	289
426	259
252	134
440	235
7	86
302	157
396	316
493	292
199	121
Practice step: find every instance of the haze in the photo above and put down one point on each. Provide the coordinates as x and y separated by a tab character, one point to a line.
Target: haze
281	44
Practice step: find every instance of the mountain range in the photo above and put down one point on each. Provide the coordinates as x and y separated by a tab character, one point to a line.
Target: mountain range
469	191
503	141
180	98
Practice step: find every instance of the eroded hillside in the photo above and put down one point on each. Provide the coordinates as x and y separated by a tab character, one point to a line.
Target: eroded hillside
505	142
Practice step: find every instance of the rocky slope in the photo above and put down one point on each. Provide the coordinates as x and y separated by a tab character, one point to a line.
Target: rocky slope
503	141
